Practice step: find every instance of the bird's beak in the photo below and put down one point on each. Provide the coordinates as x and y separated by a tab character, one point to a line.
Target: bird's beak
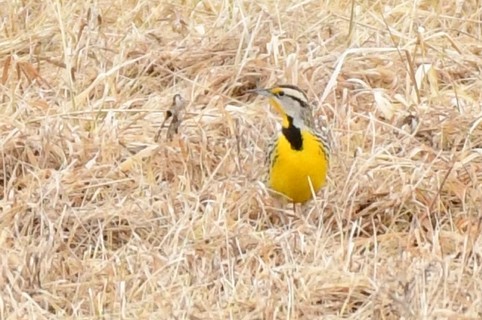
261	92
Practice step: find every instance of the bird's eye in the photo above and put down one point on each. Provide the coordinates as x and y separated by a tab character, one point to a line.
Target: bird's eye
280	94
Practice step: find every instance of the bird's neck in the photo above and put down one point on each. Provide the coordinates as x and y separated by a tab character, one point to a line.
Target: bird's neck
292	133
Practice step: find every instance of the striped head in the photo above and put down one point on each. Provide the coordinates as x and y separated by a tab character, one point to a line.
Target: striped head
290	102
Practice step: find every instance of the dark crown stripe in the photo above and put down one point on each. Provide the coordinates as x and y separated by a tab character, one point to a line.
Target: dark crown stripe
303	103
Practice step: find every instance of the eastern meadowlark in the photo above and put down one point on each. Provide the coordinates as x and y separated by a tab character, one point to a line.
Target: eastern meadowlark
299	156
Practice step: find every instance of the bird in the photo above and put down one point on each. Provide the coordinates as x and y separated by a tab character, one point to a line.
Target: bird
298	157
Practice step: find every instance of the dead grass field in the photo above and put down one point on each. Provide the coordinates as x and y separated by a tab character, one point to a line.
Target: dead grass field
100	221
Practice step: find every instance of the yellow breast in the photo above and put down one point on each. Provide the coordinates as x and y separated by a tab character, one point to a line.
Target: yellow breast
294	173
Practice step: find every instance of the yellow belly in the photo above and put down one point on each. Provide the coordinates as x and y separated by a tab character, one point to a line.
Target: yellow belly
294	173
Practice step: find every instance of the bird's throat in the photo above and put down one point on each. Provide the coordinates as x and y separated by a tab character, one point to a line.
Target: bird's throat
292	134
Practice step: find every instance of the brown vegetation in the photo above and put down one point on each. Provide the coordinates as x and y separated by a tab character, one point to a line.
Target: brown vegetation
98	220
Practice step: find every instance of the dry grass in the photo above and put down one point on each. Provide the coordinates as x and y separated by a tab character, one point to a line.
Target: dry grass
100	221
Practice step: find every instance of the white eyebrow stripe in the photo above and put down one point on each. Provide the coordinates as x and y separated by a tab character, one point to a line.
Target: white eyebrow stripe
298	95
